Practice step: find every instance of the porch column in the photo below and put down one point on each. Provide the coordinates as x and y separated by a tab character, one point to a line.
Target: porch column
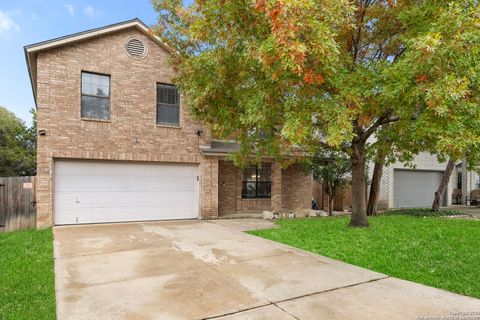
276	187
209	188
466	182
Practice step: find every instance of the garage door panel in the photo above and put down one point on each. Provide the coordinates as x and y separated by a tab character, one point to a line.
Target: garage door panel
104	199
122	199
123	183
97	192
188	184
105	183
140	184
65	199
65	183
173	197
185	196
84	182
139	198
144	171
88	199
156	183
83	216
82	169
156	199
172	183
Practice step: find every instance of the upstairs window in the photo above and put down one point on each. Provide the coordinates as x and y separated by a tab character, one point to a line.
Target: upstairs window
257	182
95	96
168	104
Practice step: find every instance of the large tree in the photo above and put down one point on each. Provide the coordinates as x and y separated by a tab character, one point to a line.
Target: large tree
17	145
286	75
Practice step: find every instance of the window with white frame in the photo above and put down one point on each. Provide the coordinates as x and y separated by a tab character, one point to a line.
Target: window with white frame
95	96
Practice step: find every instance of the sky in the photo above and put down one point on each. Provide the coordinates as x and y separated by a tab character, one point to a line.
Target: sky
24	22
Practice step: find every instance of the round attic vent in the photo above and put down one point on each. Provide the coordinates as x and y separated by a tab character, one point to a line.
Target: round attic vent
135	48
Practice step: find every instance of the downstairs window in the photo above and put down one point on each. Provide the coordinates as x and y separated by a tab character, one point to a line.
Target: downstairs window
257	182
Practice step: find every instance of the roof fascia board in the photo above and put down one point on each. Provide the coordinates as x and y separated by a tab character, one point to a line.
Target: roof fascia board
45	45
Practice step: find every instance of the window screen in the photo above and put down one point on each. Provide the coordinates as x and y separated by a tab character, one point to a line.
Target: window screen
168	104
95	96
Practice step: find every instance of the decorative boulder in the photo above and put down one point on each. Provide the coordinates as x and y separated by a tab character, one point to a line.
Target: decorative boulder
312	213
283	215
302	213
321	213
267	215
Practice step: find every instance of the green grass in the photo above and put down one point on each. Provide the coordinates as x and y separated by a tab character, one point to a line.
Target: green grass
438	252
26	275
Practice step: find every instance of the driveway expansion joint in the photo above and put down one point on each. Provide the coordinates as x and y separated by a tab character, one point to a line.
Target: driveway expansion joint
333	289
239	311
291	315
276	303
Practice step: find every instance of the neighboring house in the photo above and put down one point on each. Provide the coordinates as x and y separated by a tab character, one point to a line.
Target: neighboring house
116	142
404	187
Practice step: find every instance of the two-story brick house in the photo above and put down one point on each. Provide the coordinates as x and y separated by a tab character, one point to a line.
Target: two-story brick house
116	142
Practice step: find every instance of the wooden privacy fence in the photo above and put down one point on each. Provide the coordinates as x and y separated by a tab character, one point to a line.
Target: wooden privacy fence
17	203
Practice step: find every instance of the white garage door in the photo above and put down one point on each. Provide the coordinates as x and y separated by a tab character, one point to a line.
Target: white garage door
415	188
98	192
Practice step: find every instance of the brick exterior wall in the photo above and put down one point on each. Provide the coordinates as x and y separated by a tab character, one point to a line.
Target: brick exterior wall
277	203
227	187
209	188
297	189
131	134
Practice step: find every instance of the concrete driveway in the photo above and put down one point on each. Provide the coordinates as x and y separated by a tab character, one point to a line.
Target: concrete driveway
212	270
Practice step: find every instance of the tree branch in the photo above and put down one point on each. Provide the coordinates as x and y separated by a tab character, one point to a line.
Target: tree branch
384	119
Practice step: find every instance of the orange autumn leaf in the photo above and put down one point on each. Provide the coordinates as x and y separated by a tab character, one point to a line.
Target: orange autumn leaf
364	120
311	77
260	5
276	12
421	78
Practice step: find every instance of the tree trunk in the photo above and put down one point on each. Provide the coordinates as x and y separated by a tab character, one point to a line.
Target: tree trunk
359	212
443	185
330	204
375	186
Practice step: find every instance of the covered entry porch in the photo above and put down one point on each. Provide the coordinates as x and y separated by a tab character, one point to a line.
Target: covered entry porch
254	189
247	192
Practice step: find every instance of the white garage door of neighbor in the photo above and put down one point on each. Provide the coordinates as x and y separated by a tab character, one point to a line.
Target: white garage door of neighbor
99	192
415	188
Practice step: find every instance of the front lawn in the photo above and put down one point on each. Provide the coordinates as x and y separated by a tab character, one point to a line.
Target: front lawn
439	252
26	275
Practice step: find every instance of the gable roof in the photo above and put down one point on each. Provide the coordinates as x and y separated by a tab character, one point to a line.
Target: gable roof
32	50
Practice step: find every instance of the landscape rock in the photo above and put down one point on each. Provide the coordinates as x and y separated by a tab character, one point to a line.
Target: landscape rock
306	213
302	213
267	215
312	213
321	213
283	215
